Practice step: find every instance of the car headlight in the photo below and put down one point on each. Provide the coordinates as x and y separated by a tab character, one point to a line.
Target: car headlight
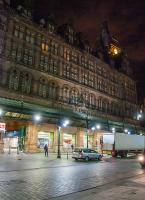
141	158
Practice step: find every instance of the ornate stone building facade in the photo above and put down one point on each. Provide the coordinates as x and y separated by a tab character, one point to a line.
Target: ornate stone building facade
53	72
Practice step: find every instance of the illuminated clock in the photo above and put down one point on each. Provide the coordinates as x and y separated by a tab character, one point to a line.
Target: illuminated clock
114	50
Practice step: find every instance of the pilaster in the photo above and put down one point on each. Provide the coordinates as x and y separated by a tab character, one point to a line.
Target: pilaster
31	138
1	144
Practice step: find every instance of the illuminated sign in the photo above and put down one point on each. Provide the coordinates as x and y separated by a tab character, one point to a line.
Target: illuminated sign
2	126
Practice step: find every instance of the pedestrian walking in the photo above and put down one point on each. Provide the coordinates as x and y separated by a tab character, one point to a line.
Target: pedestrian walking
46	150
72	147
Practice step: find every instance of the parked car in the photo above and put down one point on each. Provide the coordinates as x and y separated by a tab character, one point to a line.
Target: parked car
86	154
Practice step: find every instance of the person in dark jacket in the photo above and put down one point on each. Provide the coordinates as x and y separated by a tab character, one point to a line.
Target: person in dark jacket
46	150
72	147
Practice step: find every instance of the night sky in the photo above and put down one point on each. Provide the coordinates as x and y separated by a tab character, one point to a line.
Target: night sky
126	20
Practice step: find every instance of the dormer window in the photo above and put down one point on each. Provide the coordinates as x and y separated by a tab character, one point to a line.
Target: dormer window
50	28
70	35
19	31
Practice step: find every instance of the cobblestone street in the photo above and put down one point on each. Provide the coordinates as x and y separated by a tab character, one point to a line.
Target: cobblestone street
33	176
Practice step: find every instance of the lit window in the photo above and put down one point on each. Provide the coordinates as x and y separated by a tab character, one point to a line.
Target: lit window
43	46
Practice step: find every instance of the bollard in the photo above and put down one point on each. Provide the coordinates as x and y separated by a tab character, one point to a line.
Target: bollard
9	150
17	150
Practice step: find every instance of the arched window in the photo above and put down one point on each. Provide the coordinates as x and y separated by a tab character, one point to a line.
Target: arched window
100	103
92	100
42	88
53	90
65	93
114	108
85	98
14	79
74	95
26	83
84	78
105	105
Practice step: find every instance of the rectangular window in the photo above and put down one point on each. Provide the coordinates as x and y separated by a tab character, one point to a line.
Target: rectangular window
84	78
98	69
44	47
19	31
91	65
91	80
74	73
28	57
74	57
66	70
53	66
54	47
66	54
30	37
44	62
16	52
61	51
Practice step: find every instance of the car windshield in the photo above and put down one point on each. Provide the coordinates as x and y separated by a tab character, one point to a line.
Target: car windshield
79	150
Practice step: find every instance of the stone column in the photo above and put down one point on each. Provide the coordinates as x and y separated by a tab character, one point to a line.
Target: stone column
99	146
31	138
1	144
95	141
80	138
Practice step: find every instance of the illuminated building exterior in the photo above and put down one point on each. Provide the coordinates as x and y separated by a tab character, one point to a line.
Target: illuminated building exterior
51	71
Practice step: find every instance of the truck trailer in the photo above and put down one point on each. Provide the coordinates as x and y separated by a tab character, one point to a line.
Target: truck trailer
120	144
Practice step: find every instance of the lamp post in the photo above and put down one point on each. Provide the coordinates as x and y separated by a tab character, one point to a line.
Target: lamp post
58	150
87	130
64	124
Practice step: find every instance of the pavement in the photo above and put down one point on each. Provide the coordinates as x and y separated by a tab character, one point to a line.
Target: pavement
131	189
36	177
23	161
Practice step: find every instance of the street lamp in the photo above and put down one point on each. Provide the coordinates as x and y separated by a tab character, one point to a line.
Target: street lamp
113	130
126	130
139	115
93	128
64	124
98	126
37	117
87	131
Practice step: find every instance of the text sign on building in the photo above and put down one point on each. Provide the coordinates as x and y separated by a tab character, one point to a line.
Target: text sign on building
2	126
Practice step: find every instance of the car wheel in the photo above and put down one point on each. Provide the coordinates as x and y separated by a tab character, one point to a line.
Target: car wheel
99	158
87	159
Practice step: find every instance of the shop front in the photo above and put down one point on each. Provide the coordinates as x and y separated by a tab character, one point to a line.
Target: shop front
90	141
45	138
69	139
11	143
